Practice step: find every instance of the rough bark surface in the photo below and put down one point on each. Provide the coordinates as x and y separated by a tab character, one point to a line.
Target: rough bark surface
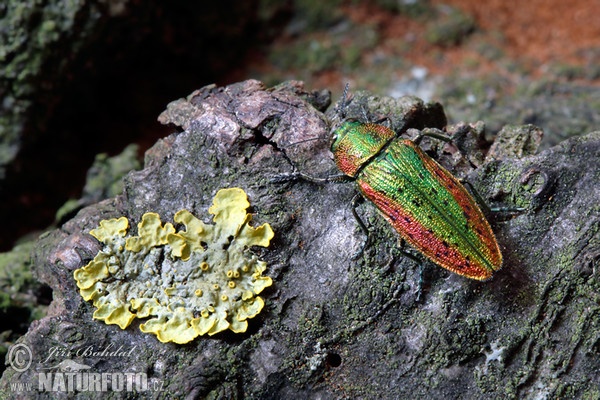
334	326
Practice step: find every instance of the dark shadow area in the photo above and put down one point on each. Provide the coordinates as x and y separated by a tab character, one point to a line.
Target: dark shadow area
115	88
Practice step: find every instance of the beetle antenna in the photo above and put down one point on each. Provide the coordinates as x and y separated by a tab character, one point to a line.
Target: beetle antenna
341	108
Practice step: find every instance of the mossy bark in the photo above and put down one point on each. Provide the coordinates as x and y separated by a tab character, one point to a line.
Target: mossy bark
334	326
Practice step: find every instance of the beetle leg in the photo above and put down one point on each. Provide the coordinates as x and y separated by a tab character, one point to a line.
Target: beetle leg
355	201
421	135
419	261
296	176
487	209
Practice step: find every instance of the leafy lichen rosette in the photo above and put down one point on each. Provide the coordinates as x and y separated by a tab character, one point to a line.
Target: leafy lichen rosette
199	280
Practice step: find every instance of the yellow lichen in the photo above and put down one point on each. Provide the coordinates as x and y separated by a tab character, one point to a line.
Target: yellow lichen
151	233
110	229
182	281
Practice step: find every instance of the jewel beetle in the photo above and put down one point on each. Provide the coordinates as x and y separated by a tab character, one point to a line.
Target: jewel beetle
429	208
423	201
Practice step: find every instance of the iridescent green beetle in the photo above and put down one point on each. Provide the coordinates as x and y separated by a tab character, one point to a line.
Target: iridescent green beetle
426	204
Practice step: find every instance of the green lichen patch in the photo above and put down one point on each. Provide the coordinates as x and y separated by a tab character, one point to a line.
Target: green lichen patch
199	280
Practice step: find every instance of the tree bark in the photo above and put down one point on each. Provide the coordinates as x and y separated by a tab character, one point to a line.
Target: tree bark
335	326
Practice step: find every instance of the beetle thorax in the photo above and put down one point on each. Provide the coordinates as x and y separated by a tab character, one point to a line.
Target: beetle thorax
355	144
